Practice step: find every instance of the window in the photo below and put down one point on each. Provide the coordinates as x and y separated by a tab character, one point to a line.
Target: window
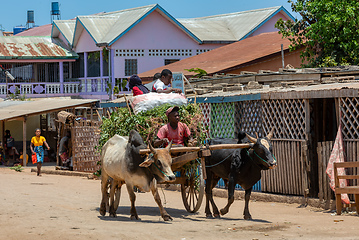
48	72
78	67
130	67
169	61
93	64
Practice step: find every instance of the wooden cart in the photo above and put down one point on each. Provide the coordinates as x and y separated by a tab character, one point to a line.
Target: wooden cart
192	181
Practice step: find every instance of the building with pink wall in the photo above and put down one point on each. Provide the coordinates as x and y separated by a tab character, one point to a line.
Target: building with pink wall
113	46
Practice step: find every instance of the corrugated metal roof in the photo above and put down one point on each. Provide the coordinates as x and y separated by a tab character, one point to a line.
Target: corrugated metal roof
10	110
98	26
294	92
106	28
44	30
66	27
34	48
125	19
229	56
228	27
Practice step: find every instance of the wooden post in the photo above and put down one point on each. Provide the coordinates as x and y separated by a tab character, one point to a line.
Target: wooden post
58	141
128	106
306	155
24	142
91	118
2	138
282	53
99	116
189	84
203	168
337	111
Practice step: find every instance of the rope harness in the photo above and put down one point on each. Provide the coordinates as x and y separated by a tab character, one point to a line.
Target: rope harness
260	157
220	161
247	154
160	170
151	155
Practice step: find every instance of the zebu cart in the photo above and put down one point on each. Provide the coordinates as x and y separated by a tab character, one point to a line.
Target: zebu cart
192	181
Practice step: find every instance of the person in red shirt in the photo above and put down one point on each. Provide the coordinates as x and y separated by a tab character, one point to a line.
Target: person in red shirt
174	130
135	84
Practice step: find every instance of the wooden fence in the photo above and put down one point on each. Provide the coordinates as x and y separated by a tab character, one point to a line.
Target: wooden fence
352	155
287	178
324	150
84	142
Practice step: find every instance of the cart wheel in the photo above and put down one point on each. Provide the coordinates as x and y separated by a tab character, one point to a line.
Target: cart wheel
192	193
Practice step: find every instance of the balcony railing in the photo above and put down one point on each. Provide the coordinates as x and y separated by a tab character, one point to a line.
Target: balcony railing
94	84
40	88
81	86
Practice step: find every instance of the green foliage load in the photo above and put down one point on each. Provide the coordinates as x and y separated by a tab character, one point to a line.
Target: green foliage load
148	123
329	31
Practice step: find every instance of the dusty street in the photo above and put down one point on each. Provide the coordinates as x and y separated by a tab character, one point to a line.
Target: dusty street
66	207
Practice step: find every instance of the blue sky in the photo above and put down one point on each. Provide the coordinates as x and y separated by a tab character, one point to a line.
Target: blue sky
14	13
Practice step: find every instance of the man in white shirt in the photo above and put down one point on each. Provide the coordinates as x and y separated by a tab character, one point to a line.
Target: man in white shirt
162	84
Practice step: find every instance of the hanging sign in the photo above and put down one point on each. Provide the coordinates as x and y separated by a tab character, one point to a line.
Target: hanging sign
177	81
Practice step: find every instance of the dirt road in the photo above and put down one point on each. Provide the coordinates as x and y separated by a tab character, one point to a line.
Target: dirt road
66	207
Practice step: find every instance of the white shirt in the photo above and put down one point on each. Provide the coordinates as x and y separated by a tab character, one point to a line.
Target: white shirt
159	85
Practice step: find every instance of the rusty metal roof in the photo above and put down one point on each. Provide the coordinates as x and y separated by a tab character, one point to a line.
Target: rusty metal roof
34	48
11	110
229	56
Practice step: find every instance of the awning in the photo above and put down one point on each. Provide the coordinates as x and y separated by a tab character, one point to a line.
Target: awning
11	110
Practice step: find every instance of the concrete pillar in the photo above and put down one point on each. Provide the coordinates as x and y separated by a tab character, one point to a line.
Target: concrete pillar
112	72
85	70
101	70
61	76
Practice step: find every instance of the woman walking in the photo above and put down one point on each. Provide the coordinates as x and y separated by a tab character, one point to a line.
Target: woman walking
36	148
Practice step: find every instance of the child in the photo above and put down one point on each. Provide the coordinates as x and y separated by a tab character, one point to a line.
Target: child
162	84
20	161
136	86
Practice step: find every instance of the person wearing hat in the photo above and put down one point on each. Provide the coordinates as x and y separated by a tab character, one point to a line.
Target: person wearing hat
162	85
174	130
135	84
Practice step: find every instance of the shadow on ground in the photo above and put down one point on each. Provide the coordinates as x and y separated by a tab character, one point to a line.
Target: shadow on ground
123	214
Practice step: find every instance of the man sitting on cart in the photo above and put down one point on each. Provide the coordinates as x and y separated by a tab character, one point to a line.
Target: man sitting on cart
174	130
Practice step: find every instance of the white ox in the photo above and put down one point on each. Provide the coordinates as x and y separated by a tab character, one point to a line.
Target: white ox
122	162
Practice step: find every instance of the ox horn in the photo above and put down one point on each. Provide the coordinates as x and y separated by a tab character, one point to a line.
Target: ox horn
252	139
169	145
256	135
151	148
270	134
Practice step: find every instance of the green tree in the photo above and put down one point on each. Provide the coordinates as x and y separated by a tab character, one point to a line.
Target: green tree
329	31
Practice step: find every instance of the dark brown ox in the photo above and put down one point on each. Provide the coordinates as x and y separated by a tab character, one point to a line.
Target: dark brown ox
122	162
237	166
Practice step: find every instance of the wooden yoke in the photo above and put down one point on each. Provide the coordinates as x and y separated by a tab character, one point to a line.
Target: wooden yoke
192	153
197	149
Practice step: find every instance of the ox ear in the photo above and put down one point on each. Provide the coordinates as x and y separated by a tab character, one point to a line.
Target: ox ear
270	134
252	139
168	148
148	161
